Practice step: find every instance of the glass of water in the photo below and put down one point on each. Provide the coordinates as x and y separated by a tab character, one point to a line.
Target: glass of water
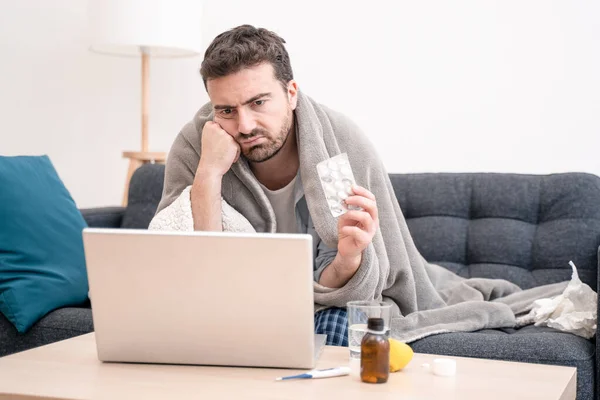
359	313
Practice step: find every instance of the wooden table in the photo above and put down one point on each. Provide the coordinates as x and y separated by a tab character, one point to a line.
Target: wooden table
71	370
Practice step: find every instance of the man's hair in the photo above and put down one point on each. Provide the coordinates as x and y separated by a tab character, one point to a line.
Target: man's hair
246	46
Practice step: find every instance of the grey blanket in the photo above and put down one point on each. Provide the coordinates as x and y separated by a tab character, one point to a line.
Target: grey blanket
427	299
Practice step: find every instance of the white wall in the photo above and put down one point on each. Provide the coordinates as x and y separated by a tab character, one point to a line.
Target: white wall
493	86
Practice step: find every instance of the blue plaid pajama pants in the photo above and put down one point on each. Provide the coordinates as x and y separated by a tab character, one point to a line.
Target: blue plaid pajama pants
333	322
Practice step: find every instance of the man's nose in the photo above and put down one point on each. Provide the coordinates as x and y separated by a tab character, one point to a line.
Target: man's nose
246	122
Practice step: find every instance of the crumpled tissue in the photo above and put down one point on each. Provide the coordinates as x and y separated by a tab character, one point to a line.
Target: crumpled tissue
574	311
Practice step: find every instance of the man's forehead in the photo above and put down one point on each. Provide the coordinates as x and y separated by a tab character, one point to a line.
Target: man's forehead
242	85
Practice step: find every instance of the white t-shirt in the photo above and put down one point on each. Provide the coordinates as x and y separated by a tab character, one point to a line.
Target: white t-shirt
284	205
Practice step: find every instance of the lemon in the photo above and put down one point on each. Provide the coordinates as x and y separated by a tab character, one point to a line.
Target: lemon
400	355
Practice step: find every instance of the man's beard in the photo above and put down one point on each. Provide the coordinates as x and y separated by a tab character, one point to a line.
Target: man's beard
266	151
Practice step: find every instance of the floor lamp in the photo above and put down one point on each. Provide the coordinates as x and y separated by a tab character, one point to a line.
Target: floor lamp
145	29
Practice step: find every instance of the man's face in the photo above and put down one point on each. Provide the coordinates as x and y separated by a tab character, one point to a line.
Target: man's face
252	106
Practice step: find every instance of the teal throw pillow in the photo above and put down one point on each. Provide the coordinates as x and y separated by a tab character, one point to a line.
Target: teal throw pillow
42	263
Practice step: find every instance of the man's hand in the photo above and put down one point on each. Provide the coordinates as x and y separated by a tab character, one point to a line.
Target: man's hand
357	228
219	150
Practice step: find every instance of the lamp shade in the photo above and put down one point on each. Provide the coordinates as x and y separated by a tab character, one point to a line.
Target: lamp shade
160	28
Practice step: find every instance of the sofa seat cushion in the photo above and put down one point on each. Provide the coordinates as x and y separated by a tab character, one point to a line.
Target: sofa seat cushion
60	324
530	344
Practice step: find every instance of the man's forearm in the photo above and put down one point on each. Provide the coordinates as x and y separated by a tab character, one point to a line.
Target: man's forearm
339	272
206	202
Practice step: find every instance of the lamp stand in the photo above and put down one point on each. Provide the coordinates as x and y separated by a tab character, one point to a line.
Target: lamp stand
139	158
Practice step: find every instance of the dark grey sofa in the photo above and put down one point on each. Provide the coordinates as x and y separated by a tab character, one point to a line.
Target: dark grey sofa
522	228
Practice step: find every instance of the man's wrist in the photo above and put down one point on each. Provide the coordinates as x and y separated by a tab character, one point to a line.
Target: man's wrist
206	173
347	265
206	181
340	270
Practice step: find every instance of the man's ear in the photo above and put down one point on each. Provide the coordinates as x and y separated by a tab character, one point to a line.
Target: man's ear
292	92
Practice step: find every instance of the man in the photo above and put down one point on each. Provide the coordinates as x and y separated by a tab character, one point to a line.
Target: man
253	97
247	162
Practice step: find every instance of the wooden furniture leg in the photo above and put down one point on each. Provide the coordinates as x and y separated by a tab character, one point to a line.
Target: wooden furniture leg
139	158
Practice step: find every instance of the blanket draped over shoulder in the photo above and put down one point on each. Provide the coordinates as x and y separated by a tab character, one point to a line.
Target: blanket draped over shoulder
426	298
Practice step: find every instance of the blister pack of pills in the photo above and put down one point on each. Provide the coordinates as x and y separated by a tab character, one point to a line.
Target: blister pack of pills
336	179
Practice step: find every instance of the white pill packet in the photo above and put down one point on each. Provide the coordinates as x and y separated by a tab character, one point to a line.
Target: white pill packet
337	179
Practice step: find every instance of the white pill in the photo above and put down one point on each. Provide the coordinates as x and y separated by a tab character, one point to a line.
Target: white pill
323	169
342	195
333	165
327	179
339	185
346	171
333	203
330	190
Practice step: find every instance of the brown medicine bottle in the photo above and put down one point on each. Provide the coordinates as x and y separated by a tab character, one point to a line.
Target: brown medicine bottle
375	353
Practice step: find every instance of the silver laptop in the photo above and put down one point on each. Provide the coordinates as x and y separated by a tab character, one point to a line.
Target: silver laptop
202	298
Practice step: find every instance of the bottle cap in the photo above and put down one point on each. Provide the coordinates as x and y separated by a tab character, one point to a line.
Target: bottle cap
375	324
442	366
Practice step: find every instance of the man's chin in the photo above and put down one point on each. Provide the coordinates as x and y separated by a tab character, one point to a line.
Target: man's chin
258	156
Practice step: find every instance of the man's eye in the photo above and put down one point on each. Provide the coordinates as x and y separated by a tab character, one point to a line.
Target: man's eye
259	102
226	111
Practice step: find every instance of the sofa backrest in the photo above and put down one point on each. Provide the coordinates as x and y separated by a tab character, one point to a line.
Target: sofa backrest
522	228
145	191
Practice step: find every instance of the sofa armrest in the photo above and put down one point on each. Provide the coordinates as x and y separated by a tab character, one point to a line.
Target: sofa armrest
103	217
598	331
